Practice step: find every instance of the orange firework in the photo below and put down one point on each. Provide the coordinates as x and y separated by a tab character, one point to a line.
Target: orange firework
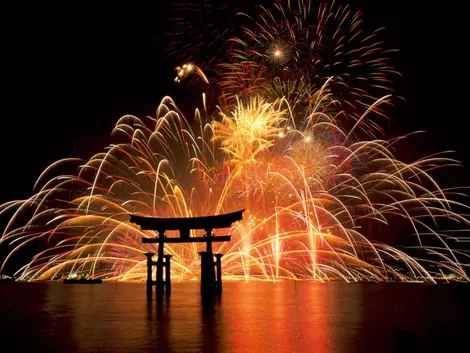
309	187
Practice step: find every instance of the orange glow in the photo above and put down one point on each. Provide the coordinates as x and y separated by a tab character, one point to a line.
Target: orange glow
306	183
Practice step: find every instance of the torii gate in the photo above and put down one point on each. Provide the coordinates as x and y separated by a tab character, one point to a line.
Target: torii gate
209	281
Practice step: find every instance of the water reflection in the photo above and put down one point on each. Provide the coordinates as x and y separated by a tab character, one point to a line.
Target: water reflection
159	324
261	317
212	330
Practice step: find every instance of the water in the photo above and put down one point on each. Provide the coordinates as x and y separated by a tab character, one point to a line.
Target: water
249	317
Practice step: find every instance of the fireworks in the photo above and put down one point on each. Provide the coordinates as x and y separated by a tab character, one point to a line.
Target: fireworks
320	189
185	70
300	43
312	42
308	188
303	41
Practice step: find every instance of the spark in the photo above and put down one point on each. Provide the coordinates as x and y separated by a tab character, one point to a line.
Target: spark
307	203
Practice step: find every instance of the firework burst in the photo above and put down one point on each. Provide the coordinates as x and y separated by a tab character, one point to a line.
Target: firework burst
311	42
308	187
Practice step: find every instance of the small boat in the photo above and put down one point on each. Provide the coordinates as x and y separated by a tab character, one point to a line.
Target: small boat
4	278
82	281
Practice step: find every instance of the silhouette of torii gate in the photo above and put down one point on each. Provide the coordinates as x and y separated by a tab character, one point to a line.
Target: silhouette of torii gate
209	281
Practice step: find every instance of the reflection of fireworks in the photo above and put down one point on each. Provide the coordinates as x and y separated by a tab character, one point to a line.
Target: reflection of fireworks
307	186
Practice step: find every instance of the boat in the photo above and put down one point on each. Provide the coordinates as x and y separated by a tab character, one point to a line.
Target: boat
82	281
4	278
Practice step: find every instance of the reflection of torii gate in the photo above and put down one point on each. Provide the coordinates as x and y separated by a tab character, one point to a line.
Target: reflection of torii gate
209	280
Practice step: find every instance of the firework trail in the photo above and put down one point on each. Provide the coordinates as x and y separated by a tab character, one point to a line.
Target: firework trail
308	188
185	70
309	42
287	46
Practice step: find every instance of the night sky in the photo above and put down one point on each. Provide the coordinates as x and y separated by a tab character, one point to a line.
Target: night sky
70	69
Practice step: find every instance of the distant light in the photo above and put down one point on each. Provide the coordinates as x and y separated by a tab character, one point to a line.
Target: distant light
189	67
277	53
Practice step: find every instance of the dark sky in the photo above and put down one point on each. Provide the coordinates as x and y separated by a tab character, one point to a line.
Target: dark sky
70	69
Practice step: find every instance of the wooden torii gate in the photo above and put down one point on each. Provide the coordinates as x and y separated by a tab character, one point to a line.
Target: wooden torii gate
210	282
